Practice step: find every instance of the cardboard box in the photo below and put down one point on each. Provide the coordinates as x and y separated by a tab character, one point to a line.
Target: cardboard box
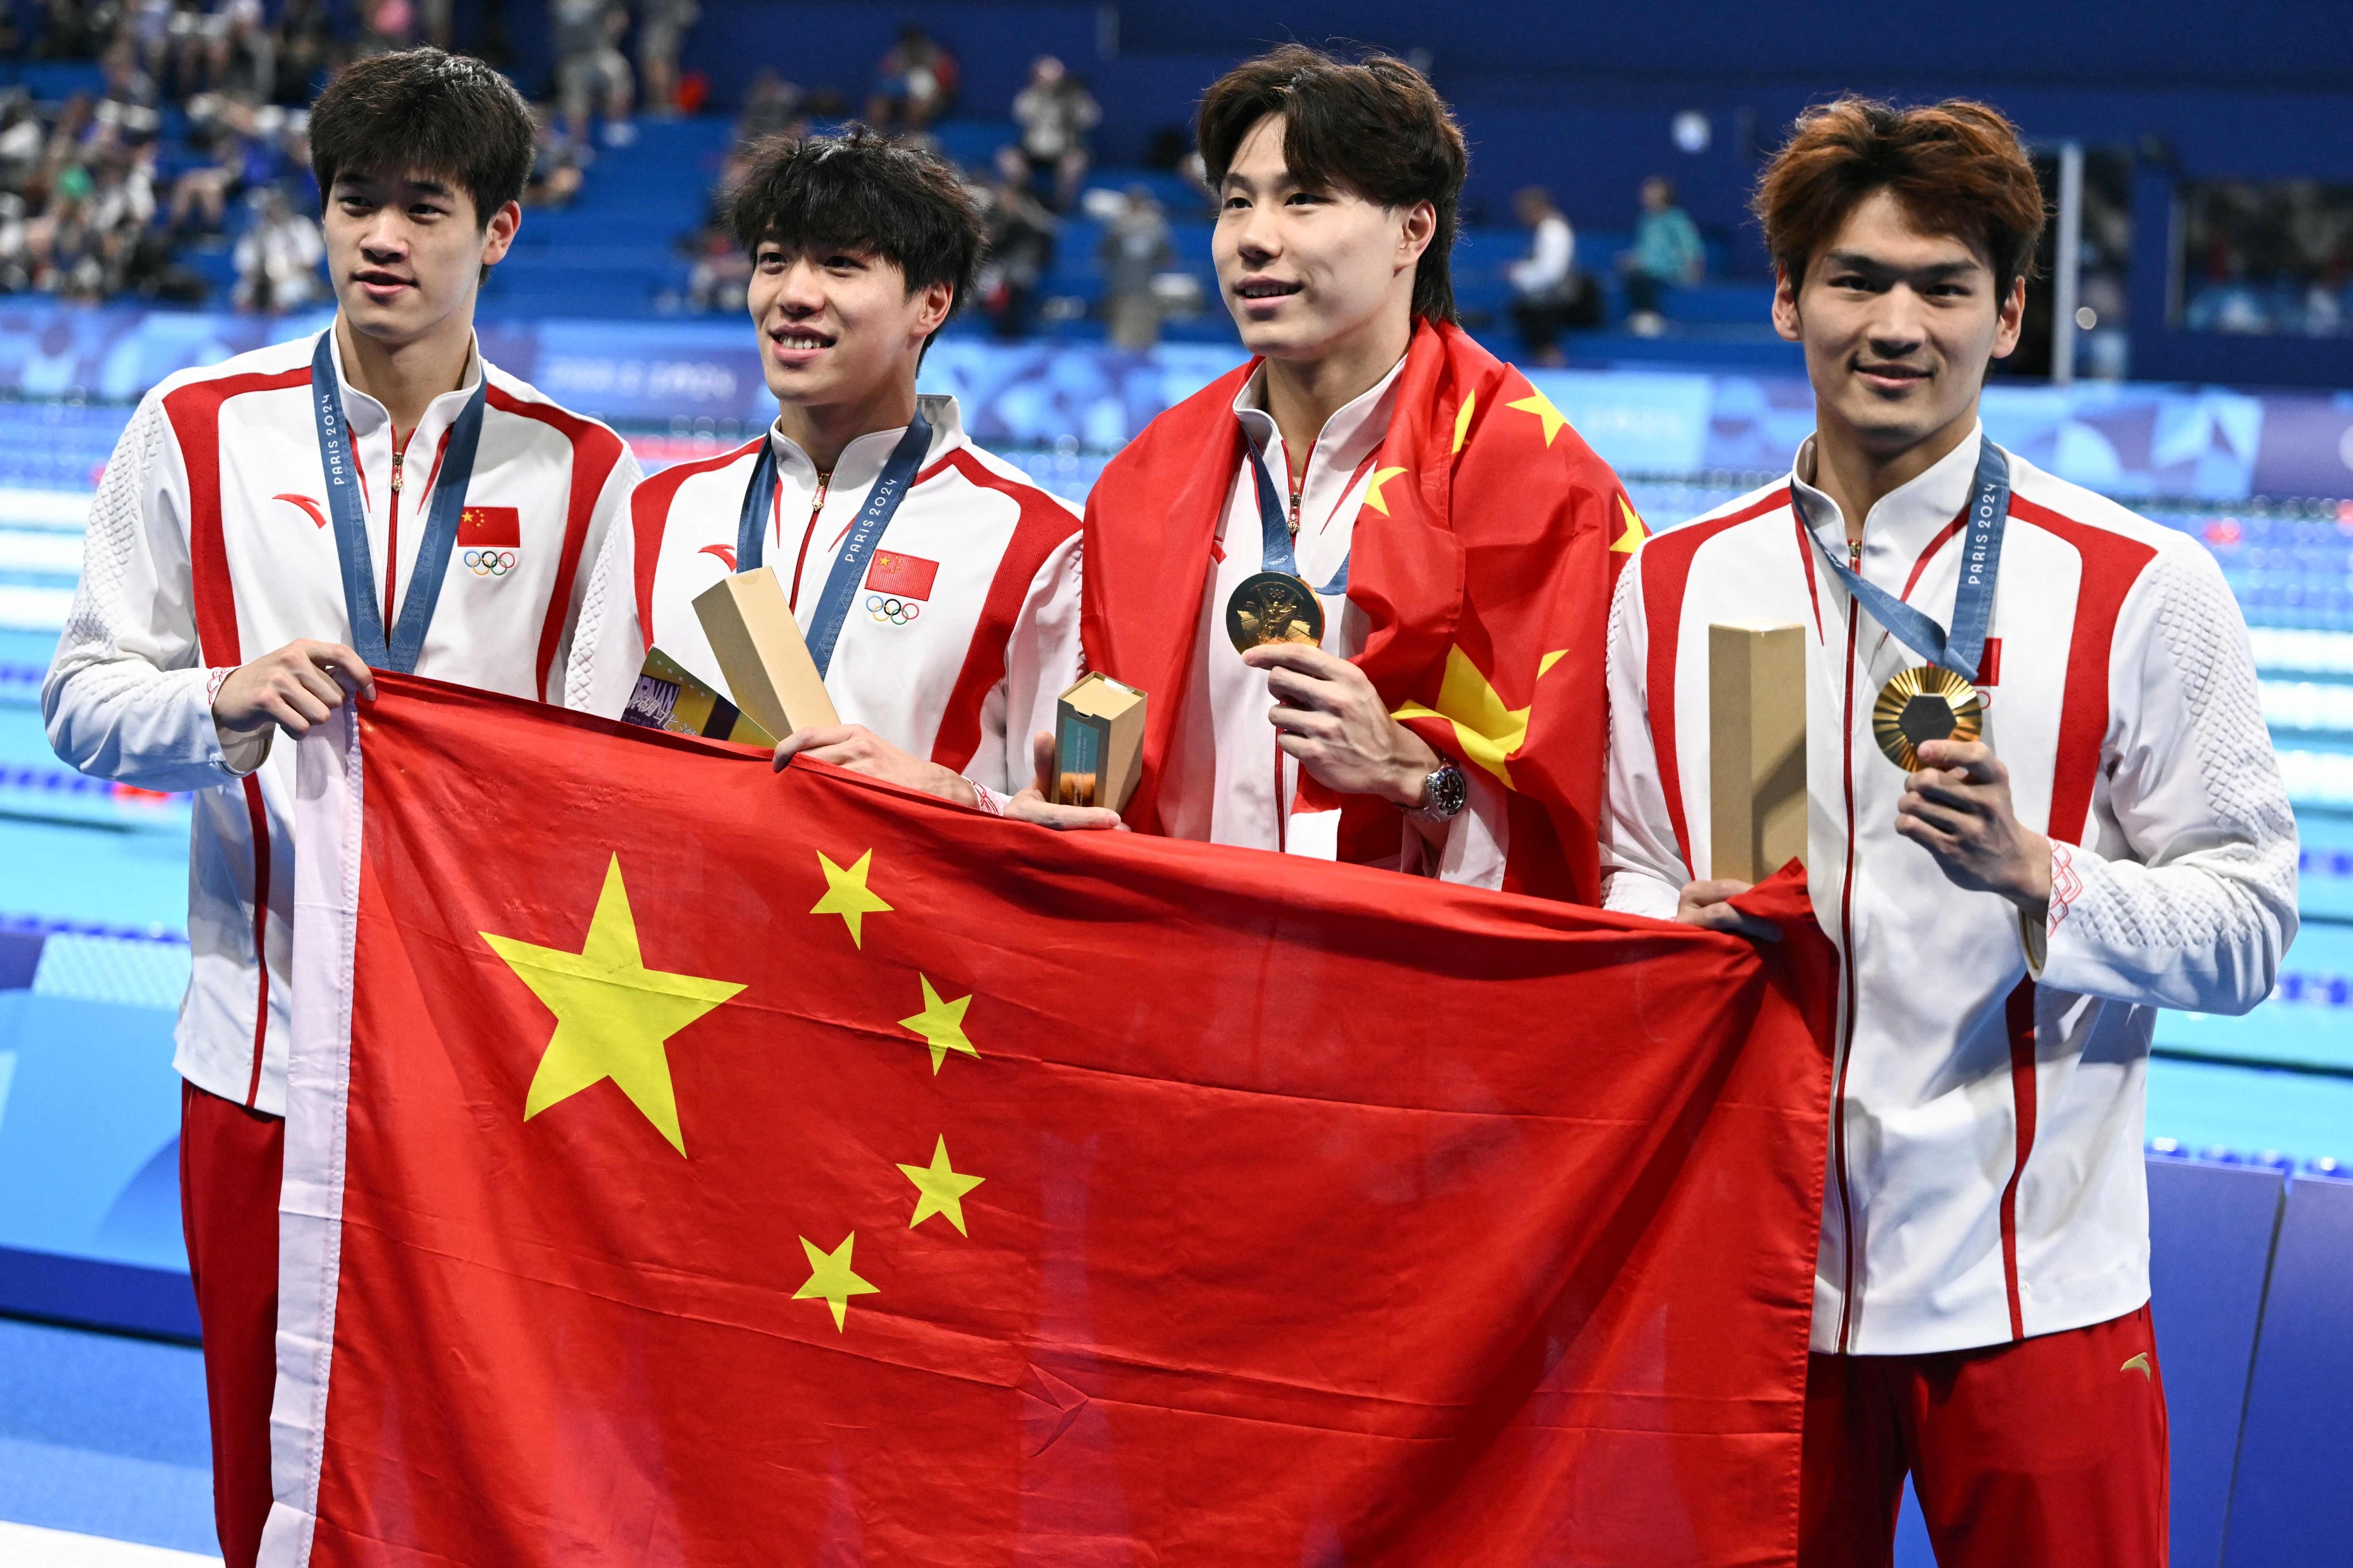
1757	748
668	698
758	645
1098	744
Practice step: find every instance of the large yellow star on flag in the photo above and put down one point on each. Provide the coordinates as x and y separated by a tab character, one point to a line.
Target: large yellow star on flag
940	1188
940	1023
847	895
1487	730
612	1014
1537	403
830	1280
1373	488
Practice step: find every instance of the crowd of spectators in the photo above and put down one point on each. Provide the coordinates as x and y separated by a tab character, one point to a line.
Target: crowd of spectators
194	139
2273	257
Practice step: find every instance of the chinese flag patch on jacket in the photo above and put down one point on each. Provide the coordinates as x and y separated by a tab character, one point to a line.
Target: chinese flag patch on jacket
490	527
908	576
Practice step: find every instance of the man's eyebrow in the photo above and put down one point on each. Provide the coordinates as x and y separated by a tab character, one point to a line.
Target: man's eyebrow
1935	271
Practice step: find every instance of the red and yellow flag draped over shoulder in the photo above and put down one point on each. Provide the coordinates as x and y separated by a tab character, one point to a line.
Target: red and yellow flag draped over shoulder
1483	567
693	1165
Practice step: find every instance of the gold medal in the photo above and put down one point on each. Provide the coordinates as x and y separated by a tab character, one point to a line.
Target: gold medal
1272	607
1925	703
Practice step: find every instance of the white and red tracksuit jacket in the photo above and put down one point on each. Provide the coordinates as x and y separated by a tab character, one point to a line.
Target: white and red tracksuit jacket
965	630
208	545
1984	1175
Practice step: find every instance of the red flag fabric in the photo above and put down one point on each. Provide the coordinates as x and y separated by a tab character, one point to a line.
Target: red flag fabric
1483	568
692	1164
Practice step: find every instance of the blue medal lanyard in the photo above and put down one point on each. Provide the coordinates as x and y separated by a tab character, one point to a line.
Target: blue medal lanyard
898	476
349	517
1960	649
1275	525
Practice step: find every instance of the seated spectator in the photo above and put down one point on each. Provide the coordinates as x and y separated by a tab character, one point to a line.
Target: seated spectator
772	107
555	167
1136	249
1056	112
278	258
662	33
915	84
1548	293
1019	247
591	73
1666	251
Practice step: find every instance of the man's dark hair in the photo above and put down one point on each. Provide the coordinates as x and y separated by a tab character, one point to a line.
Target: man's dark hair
425	113
862	192
1956	166
1374	127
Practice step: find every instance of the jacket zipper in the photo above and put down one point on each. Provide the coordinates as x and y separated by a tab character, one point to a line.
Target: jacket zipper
1846	962
816	505
392	539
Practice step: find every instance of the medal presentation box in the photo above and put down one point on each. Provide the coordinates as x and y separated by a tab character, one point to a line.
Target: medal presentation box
1098	744
668	698
1757	748
759	648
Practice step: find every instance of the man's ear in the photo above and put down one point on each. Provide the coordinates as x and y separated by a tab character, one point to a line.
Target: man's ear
1420	229
498	236
1786	319
2013	319
938	298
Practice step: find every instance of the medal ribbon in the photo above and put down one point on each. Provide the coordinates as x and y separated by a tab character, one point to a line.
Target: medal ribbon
1275	525
1960	649
349	517
890	488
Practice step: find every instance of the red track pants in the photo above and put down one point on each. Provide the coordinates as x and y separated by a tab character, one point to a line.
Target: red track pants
230	1162
2047	1453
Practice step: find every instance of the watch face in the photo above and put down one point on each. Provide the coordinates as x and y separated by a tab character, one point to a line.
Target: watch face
1448	790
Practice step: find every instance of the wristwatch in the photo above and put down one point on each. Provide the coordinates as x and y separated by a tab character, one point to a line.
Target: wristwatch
1444	792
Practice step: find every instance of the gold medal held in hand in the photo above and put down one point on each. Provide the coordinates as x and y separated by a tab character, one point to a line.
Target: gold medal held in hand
1925	703
1272	607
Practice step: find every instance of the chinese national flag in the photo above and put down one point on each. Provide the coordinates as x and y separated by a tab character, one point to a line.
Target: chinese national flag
691	1164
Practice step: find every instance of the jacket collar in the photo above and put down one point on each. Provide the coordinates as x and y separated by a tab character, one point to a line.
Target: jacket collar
861	461
1907	520
1348	436
366	415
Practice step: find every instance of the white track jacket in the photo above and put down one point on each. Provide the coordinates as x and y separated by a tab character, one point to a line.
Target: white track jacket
965	629
209	545
1984	1178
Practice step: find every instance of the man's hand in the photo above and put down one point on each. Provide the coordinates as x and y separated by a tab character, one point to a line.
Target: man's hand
1957	808
1037	804
862	751
293	688
1708	905
1327	715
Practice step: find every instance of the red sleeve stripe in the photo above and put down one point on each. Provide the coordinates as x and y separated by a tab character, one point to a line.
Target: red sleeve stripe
194	411
2112	565
594	451
649	519
1666	571
1042	527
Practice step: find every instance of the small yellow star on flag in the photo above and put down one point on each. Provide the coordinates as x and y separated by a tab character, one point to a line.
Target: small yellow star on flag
940	1023
1631	539
1537	403
847	895
1462	419
612	1014
940	1188
830	1280
1373	488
